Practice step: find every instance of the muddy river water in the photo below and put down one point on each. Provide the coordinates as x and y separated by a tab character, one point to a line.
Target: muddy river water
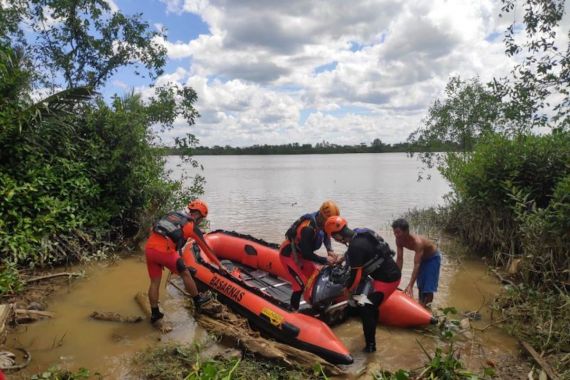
261	196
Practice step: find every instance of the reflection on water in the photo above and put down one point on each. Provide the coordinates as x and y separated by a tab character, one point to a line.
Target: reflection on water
261	196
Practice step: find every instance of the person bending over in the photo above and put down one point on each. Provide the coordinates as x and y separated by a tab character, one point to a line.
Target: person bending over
163	249
297	252
373	273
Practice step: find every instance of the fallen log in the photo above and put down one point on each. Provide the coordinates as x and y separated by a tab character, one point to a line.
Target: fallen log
54	275
29	316
218	319
5	314
115	317
540	360
142	300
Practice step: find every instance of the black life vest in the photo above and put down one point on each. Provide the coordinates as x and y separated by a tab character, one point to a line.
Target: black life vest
382	250
171	227
293	234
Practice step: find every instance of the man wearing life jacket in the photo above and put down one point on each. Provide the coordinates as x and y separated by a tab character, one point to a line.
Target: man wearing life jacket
427	261
297	252
373	273
163	249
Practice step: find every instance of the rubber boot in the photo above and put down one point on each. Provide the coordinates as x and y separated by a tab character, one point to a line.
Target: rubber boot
370	347
155	314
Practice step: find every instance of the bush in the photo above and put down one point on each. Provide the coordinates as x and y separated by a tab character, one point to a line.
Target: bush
512	199
78	175
10	281
532	164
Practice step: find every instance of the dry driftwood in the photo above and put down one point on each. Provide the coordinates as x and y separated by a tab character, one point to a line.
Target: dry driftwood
5	314
217	318
115	317
142	300
541	362
48	276
29	316
503	279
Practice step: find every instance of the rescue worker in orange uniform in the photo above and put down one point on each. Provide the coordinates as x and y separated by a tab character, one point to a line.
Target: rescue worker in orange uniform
163	249
297	252
374	275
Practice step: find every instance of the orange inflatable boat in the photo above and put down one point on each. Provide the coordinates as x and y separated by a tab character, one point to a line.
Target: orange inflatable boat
247	275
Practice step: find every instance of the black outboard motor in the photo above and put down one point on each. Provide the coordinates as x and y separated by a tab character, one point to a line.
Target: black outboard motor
328	294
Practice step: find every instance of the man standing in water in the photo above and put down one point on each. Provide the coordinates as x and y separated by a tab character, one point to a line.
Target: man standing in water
427	261
162	249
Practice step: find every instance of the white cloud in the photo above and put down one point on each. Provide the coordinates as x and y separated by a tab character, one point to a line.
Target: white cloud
277	72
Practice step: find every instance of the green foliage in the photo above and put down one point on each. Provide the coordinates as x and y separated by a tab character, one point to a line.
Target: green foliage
10	281
512	199
532	164
543	73
77	175
85	42
468	112
446	366
61	374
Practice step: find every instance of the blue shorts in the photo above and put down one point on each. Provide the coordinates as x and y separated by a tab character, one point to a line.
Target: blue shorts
428	275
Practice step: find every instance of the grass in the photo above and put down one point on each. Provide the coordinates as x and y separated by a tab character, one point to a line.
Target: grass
542	320
535	311
186	362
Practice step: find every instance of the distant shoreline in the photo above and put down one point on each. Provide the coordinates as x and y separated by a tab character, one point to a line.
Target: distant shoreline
295	148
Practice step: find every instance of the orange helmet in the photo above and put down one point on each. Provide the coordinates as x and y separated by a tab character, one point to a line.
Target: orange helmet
200	206
335	224
328	209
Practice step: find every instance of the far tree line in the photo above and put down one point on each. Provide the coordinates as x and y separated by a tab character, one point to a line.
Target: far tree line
324	147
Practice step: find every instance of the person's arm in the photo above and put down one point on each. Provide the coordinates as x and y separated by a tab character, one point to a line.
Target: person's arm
192	230
399	256
306	245
417	262
328	244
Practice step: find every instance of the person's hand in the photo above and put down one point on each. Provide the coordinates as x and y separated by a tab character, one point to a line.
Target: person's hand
410	290
331	252
332	259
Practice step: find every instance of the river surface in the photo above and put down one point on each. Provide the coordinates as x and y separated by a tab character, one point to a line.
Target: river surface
262	196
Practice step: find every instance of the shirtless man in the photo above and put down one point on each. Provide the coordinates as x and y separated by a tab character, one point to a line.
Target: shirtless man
427	261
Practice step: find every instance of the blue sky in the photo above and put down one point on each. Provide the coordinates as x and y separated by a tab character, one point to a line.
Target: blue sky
272	72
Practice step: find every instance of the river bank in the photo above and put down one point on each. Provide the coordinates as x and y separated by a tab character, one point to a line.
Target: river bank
71	340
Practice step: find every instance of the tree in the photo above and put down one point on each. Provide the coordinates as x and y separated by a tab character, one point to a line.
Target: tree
82	42
78	175
468	111
537	94
377	146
